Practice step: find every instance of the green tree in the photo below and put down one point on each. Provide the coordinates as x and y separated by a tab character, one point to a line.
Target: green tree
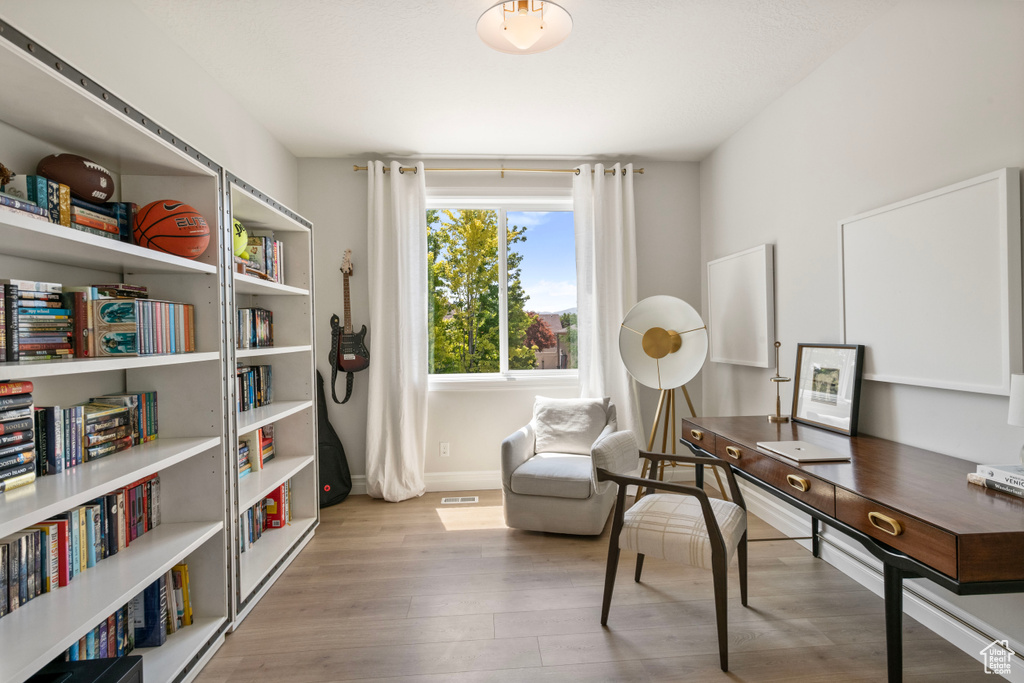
463	272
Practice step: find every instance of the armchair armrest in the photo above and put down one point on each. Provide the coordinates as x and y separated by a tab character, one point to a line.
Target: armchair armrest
515	450
615	452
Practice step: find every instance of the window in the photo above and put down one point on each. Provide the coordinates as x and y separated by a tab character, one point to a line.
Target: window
502	289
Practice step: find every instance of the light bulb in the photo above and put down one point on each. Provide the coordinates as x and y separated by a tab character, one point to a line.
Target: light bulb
523	28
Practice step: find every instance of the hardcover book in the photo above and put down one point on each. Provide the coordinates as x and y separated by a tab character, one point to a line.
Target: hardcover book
116	327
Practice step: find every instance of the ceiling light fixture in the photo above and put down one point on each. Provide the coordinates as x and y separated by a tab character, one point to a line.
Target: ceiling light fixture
524	27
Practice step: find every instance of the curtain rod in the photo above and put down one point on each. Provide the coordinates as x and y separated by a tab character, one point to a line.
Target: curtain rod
576	171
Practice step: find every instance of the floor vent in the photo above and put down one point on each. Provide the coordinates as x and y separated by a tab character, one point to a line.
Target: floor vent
455	500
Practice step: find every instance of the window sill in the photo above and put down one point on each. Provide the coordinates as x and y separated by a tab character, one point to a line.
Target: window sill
496	382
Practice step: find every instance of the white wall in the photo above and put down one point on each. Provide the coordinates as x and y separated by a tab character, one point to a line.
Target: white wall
474	422
119	46
931	94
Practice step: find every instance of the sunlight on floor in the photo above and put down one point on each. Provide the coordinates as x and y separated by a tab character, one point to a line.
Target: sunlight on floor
471	517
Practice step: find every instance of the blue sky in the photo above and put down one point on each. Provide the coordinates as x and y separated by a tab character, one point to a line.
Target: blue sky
549	259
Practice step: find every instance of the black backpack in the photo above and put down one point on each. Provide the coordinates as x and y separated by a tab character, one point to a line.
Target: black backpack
335	478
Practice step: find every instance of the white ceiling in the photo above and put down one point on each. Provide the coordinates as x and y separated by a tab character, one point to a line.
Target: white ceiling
659	79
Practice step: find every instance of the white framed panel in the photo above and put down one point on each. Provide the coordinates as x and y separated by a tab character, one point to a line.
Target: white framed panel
741	307
932	286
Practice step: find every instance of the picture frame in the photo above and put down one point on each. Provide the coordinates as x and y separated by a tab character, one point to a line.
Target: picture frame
826	387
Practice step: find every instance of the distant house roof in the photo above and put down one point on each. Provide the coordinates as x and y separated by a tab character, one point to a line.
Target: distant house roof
553	321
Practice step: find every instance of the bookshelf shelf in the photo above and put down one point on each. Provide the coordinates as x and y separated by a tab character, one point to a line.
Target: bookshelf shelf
52	495
271	351
34	238
56	368
260	559
277	231
162	664
65	614
247	284
251	420
68	112
254	486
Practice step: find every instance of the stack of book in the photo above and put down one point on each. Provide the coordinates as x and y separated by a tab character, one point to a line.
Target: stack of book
255	328
114	220
112	637
67	437
44	198
273	512
258	447
37	325
49	555
251	525
266	256
255	386
52	200
244	463
142	327
1006	478
18	466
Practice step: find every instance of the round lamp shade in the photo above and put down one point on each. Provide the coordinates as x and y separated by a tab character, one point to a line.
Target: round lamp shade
524	27
663	342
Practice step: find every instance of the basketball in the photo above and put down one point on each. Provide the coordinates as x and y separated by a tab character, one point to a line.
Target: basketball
172	227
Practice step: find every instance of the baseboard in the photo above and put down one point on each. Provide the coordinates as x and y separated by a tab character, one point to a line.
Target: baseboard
445	481
960	628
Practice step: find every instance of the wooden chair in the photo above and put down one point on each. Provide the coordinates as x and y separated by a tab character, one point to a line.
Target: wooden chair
683	526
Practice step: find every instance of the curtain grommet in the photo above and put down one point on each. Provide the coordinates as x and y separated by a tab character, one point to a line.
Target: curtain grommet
577	171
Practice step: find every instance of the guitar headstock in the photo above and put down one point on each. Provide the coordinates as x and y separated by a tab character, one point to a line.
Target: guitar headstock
346	262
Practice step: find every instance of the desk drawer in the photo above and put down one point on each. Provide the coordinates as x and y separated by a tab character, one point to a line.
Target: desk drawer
921	541
698	436
817	493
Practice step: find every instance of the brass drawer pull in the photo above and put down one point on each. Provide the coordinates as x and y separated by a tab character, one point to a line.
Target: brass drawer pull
697	434
884	523
733	452
799	483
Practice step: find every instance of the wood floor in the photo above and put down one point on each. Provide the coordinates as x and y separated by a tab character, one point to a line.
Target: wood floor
419	591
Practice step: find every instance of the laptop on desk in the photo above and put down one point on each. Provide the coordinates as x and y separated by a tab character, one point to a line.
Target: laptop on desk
802	451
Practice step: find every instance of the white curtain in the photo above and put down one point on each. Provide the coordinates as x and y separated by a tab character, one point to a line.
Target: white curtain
396	420
606	284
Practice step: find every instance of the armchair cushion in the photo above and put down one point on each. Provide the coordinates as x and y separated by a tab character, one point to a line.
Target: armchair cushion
568	425
670	526
557	475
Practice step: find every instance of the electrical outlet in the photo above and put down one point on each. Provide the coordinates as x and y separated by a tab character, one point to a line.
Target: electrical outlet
445	449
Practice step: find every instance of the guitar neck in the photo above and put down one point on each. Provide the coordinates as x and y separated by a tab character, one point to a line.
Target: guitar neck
348	309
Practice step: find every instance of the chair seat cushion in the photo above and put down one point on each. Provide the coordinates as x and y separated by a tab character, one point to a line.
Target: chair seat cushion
558	475
670	526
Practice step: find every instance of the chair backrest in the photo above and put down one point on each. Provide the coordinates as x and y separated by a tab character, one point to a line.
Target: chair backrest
569	425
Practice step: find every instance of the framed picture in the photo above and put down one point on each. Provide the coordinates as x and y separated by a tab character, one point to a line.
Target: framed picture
826	392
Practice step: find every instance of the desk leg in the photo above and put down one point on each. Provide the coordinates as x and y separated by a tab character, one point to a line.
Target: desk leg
894	622
698	475
815	548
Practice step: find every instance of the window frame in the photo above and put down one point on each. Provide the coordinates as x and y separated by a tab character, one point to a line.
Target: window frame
502	203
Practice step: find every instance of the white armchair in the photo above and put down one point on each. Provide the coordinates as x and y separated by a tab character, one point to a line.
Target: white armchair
549	467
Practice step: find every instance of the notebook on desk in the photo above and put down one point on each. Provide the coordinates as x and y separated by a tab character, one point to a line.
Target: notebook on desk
802	451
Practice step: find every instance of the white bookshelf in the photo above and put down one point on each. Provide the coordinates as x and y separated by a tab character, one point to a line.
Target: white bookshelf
68	112
293	409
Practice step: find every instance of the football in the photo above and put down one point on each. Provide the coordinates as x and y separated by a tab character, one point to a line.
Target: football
87	179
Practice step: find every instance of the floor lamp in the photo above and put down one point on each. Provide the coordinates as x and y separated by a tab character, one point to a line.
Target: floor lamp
663	343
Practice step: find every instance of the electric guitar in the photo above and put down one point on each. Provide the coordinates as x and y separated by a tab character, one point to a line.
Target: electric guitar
348	350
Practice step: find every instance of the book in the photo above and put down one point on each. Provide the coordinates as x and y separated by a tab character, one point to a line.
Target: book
10	304
17	482
26	457
85	221
150	609
115	327
187	612
63	550
15	401
22	205
4	564
50	558
275	508
53	201
1007	474
15	425
13	388
980	480
80	212
64	204
13	547
13	471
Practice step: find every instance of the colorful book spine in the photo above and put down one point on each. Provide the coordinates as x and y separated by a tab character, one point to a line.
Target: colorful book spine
22	205
53	201
11	317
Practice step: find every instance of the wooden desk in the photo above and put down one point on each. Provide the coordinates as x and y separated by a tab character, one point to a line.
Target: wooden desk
911	508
